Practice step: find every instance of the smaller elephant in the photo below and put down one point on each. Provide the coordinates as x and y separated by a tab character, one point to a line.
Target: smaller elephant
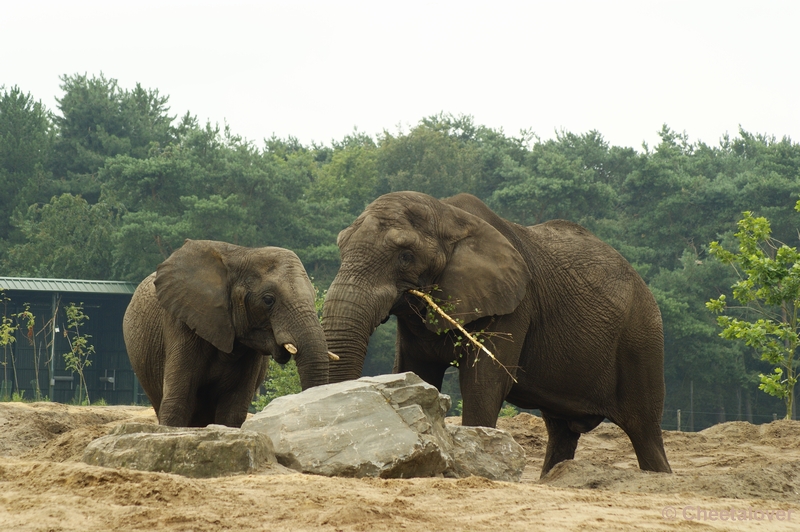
199	330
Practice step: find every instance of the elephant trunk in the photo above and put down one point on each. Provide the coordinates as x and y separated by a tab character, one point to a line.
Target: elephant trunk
350	315
311	348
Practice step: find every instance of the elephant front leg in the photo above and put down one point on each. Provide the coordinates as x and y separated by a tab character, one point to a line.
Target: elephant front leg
241	383
185	365
177	408
179	401
486	382
482	393
485	385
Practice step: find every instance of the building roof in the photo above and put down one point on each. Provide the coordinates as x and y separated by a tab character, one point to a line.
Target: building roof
67	285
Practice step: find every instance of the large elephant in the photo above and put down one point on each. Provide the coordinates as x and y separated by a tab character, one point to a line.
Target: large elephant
199	330
586	339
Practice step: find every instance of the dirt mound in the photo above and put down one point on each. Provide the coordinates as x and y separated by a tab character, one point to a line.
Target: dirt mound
27	426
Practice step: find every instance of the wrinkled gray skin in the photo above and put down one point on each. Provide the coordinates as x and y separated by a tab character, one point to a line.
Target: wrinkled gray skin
586	337
200	329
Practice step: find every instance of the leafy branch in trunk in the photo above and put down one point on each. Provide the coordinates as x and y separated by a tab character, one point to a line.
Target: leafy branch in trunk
476	342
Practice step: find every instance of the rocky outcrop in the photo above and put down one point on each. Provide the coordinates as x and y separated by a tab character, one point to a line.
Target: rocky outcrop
390	426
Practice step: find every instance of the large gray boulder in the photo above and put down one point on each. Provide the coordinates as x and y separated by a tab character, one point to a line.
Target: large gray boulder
485	452
213	451
390	426
385	426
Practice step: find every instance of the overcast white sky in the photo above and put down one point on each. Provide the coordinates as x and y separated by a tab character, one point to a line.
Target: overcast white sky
316	70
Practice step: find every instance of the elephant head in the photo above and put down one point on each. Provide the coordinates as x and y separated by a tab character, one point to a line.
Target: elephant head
260	298
409	240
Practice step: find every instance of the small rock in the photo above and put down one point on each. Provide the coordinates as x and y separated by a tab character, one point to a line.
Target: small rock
485	452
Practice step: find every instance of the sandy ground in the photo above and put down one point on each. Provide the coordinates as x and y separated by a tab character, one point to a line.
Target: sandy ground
733	476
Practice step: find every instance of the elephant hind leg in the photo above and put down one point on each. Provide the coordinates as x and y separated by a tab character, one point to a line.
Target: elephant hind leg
561	442
649	447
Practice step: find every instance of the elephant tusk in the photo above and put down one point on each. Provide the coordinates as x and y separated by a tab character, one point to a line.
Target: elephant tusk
333	356
291	348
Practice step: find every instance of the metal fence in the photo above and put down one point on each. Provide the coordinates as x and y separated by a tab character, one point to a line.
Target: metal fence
34	367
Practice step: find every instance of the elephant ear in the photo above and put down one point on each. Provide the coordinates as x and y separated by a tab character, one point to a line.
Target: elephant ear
192	285
485	275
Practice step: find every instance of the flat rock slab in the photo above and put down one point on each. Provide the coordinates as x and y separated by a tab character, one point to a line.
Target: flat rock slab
212	451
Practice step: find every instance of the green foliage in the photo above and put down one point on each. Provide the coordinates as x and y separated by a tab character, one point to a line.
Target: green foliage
563	178
439	157
18	397
281	380
77	359
109	184
508	410
351	174
66	238
99	120
769	288
26	141
7	329
144	239
154	184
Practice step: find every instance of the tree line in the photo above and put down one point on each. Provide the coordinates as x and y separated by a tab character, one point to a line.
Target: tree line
109	183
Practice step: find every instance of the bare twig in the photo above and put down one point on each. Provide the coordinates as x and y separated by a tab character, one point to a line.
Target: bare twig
429	300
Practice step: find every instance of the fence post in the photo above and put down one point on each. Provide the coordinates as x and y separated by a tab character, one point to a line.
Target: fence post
691	405
679	420
51	369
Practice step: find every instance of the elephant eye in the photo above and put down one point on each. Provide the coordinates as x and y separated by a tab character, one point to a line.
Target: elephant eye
406	258
269	300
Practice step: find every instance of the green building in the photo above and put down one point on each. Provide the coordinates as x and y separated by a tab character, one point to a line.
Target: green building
37	354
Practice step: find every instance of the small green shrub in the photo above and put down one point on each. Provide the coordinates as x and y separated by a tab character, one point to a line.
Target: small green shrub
508	410
281	380
77	359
